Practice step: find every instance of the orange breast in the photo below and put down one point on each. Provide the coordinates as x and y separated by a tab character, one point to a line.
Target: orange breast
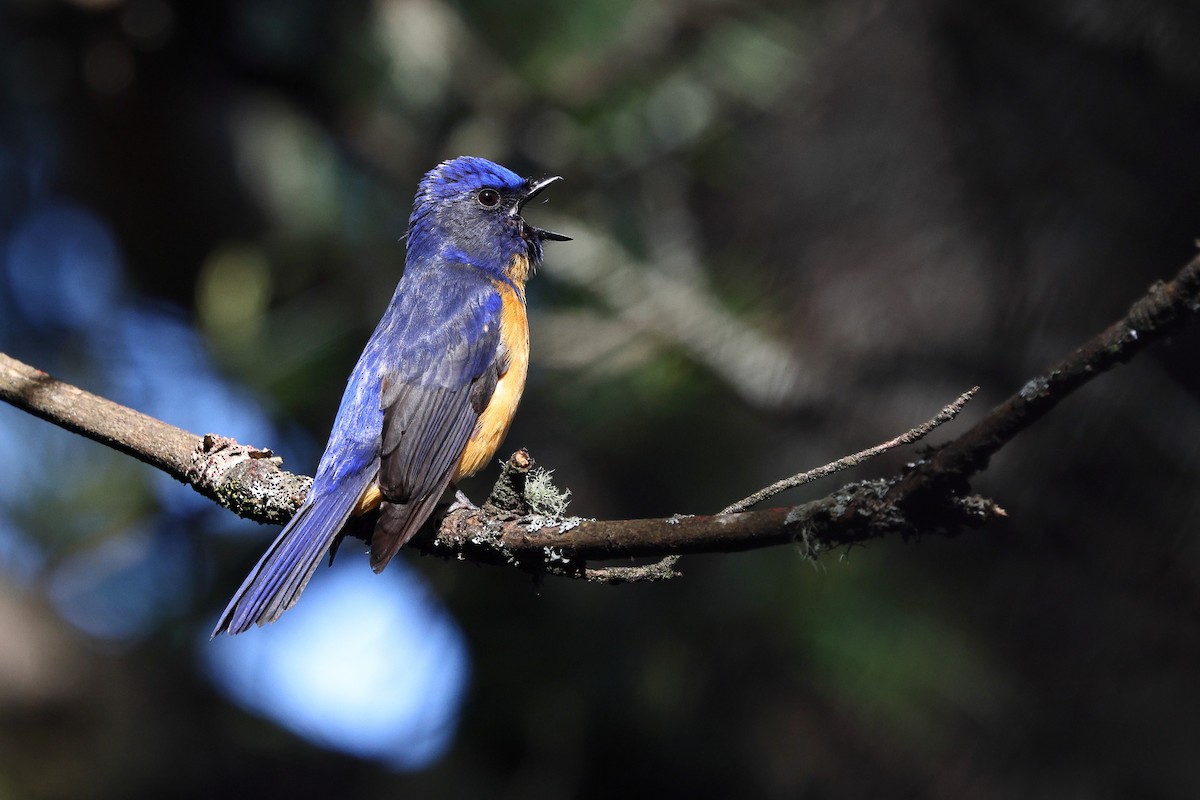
498	415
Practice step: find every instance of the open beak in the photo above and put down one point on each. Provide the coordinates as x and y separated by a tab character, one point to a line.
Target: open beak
535	188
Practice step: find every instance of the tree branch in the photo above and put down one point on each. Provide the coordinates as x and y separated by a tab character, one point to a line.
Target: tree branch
244	479
1161	311
522	524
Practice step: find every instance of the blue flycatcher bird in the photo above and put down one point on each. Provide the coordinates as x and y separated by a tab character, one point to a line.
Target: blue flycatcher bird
435	389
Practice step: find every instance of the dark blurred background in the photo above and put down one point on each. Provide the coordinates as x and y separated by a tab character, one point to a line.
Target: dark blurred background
800	228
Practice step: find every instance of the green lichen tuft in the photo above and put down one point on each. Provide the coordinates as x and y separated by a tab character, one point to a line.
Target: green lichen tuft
543	497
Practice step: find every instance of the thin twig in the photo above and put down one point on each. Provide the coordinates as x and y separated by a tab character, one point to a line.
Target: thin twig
908	437
661	570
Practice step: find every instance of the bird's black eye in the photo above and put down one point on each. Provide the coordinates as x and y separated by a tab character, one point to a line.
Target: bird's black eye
488	198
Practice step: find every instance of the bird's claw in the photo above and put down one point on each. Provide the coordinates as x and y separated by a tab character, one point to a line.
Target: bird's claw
461	502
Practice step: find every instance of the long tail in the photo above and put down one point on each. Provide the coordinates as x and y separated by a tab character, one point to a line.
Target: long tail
277	580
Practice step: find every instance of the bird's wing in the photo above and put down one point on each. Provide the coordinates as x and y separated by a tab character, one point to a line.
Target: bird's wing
431	402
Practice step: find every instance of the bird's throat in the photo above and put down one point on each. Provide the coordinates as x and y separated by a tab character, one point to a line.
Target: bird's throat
517	272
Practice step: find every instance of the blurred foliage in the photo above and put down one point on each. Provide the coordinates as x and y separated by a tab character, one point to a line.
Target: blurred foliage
800	229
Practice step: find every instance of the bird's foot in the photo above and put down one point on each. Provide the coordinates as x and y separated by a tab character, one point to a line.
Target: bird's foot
461	501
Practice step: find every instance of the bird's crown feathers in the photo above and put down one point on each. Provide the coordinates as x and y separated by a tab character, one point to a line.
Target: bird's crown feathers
465	174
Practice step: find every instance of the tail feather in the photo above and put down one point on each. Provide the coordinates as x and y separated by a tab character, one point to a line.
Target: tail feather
277	580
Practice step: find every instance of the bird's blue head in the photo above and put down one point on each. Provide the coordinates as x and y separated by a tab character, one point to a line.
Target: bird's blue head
469	209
